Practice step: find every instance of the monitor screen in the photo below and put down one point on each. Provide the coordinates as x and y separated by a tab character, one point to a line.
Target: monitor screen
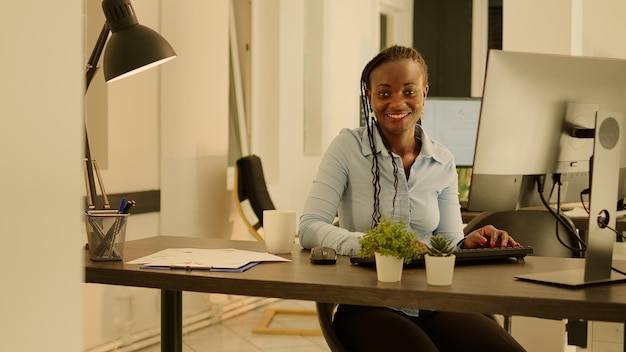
453	122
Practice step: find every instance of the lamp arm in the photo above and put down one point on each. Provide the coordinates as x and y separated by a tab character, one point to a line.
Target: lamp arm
92	68
92	64
90	183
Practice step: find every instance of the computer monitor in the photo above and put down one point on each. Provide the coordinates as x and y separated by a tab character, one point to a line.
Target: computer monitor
525	105
531	106
453	122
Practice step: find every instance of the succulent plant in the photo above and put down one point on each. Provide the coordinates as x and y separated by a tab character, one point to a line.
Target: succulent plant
440	246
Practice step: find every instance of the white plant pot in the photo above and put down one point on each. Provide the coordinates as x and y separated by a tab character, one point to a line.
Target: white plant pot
439	270
388	268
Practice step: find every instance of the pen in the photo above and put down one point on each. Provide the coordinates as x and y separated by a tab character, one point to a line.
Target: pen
129	205
122	206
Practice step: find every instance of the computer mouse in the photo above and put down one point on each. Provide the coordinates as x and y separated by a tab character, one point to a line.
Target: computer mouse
323	255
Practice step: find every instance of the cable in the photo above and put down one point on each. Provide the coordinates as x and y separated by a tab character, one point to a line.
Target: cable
616	232
587	191
617	270
588	211
582	199
623	237
540	179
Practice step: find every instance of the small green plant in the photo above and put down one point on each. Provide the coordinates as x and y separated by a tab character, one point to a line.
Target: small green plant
393	239
440	246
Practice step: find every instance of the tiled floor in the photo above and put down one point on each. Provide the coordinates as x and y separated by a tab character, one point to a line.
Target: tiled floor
235	334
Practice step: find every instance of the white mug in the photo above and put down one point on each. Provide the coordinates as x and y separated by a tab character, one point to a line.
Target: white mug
279	230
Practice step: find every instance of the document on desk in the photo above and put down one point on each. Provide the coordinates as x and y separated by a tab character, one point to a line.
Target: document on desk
224	260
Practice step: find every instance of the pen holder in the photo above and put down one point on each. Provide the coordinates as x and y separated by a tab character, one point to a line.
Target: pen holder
106	233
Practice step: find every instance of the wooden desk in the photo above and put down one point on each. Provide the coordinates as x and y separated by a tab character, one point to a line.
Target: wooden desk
478	288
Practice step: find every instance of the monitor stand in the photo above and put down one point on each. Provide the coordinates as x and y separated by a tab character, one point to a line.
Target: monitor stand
604	183
571	278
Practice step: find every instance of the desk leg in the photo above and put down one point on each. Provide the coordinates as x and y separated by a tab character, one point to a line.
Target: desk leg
171	321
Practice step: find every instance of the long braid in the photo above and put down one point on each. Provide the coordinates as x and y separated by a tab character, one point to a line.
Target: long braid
369	121
390	54
394	164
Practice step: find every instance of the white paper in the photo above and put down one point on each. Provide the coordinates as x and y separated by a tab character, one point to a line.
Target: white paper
228	258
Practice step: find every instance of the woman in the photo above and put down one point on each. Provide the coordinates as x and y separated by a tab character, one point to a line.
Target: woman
391	168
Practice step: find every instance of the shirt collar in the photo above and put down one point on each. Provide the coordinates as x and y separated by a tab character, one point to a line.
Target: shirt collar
428	150
378	141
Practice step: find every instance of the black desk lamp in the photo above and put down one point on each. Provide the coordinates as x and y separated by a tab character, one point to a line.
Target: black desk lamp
132	48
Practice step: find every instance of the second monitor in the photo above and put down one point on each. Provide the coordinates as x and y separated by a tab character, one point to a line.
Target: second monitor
453	122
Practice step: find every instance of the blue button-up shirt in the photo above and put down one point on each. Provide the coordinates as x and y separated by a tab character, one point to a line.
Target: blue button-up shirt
427	201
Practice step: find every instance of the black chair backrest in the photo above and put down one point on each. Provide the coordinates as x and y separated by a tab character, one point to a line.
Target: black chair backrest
536	228
251	185
325	313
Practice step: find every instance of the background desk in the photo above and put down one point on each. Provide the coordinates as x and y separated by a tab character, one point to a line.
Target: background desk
479	288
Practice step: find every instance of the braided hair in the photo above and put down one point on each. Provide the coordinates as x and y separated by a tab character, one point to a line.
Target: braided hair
393	53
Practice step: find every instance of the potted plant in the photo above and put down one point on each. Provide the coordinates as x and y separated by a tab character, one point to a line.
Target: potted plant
392	244
439	261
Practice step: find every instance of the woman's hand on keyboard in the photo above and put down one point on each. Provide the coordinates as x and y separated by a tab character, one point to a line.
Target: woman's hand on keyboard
489	236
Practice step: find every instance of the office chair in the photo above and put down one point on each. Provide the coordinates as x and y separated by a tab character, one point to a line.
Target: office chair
250	187
536	228
325	313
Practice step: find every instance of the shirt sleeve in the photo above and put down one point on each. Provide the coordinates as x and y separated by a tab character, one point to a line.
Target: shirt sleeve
451	222
320	209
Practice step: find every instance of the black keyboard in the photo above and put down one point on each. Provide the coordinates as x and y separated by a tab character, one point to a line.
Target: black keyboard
493	253
468	255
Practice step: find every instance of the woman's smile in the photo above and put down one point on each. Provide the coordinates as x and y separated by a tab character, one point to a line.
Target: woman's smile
398	115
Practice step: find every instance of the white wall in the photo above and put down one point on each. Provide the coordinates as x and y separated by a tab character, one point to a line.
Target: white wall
537	26
603	28
194	120
576	27
41	182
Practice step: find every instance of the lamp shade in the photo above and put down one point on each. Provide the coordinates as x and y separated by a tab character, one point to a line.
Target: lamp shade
131	47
